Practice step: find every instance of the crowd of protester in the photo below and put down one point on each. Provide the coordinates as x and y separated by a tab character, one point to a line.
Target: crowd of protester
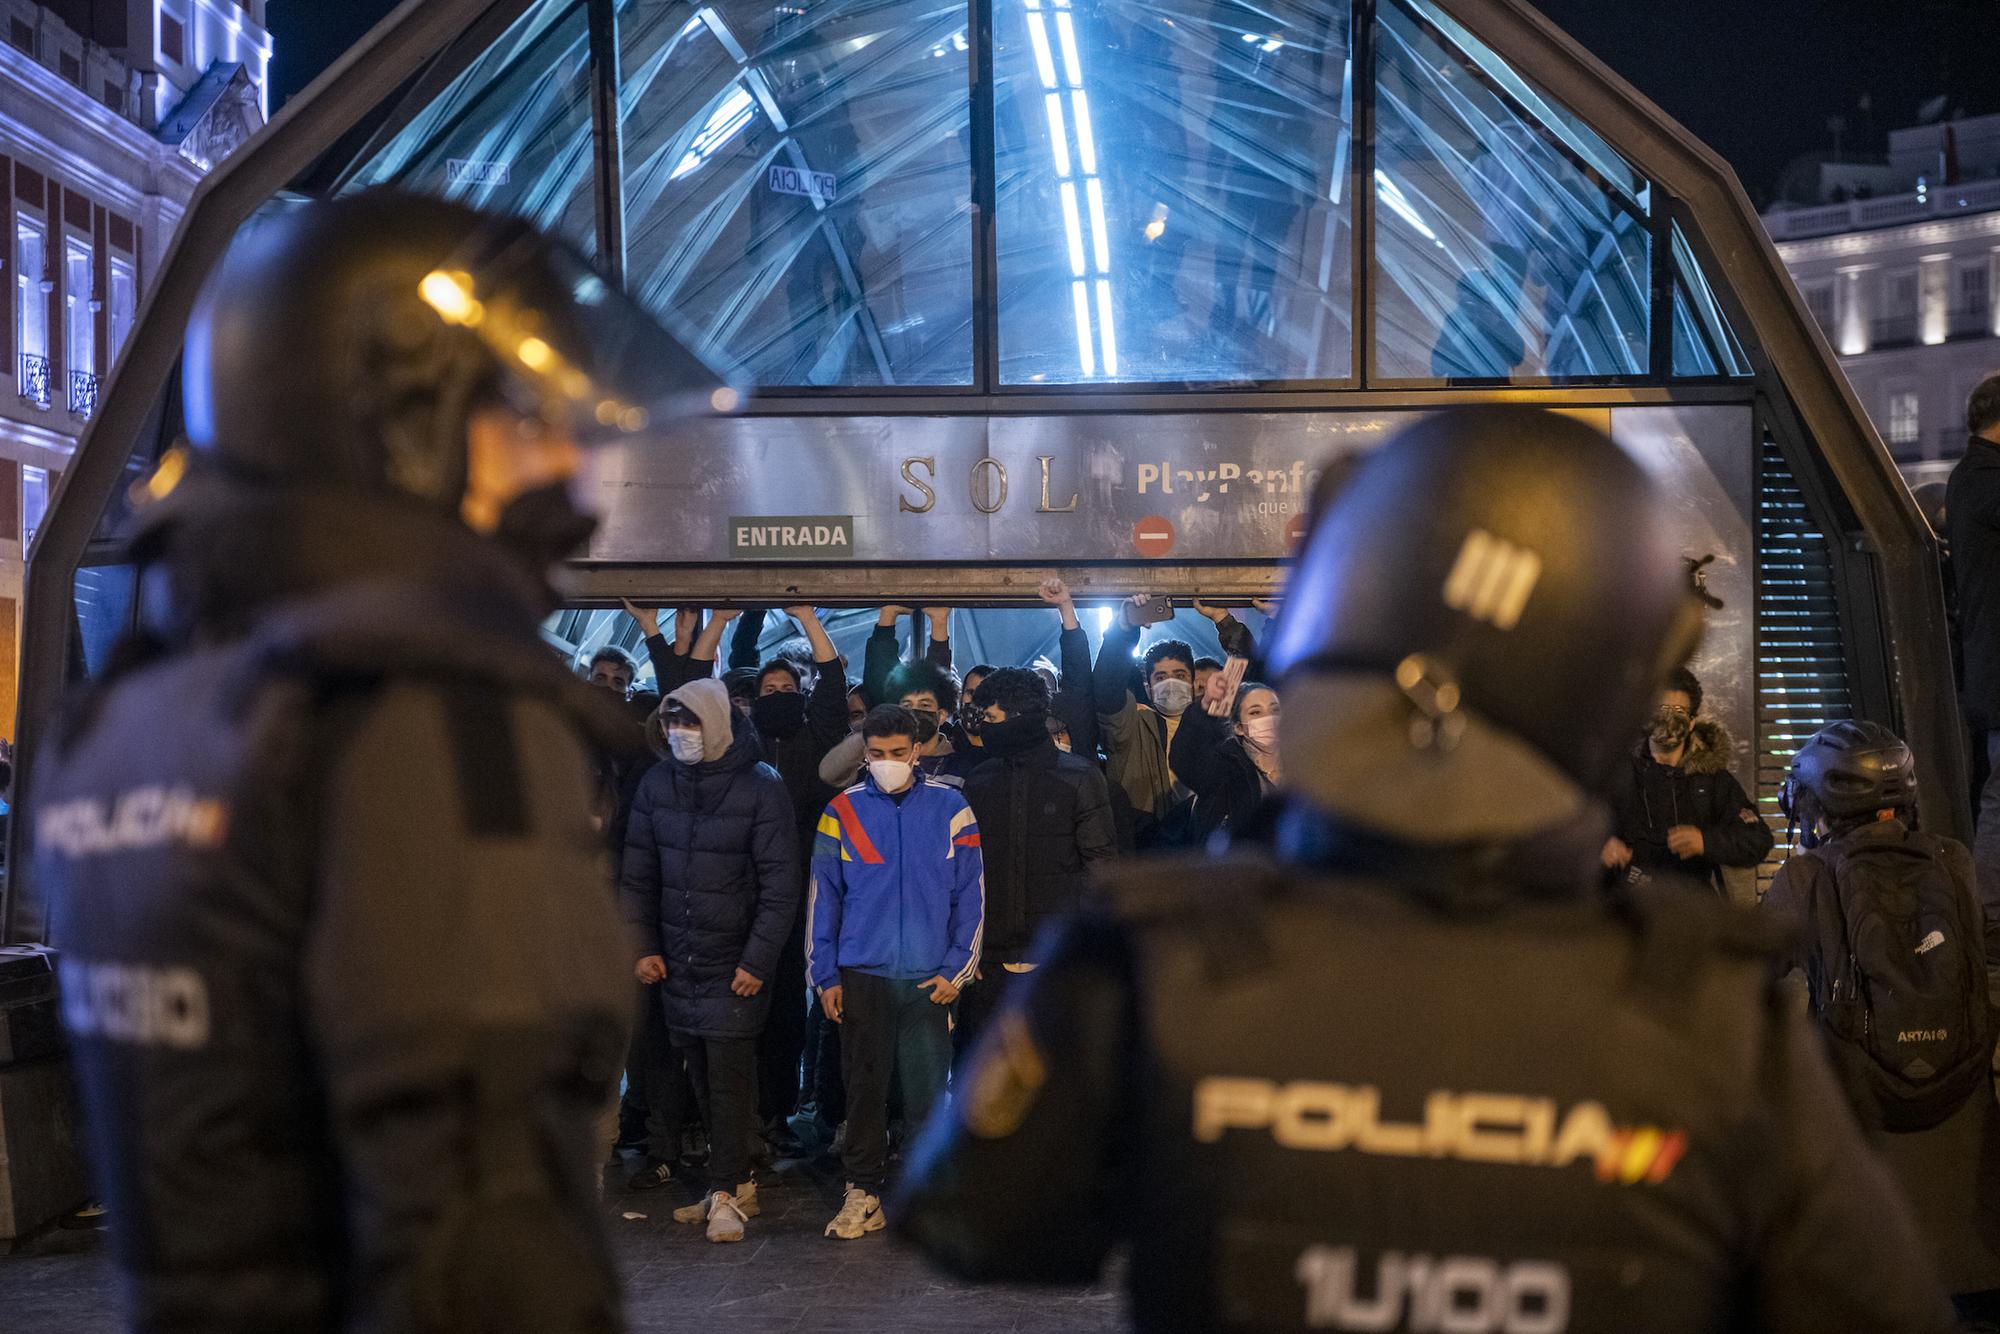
833	882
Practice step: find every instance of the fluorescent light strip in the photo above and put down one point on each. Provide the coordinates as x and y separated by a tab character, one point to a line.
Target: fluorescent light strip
1058	134
1074	227
1086	141
1045	64
1084	348
1100	234
1104	323
1066	31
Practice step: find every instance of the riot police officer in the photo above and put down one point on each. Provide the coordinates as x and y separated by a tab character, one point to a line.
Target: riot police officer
345	987
1404	1070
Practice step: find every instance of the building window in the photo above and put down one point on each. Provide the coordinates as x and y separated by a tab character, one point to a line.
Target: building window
31	308
21	35
1905	418
34	501
1972	288
1819	300
114	97
173	39
80	326
124	304
71	67
1903	294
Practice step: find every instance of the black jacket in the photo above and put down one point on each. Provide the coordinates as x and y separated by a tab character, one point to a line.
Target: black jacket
1044	821
350	851
1972	520
797	756
1210	759
1701	792
711	883
1510	1083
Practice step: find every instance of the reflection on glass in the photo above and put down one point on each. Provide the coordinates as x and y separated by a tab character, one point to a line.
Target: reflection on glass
103	610
798	184
1704	342
1501	251
1172	190
512	132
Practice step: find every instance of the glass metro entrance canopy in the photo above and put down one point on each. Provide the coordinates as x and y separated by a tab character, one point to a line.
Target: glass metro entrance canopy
1172	187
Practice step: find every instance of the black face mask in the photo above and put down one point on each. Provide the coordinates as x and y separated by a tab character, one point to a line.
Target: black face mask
927	725
543	527
1016	735
779	716
971	721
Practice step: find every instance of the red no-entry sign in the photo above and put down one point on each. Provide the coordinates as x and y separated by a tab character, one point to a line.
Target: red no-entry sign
1153	536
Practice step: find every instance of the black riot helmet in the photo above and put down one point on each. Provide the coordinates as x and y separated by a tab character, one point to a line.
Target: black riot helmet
1480	620
1848	771
348	342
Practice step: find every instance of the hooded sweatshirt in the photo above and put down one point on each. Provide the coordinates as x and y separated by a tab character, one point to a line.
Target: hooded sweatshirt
708	700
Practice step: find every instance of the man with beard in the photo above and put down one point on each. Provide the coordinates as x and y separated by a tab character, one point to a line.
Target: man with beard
1681	813
342	969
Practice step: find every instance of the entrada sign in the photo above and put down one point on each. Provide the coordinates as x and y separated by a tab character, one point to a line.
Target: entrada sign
809	536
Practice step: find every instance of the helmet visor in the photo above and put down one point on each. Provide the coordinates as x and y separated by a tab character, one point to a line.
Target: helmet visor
571	346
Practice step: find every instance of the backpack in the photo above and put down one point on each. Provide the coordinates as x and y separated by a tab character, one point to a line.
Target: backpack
1897	974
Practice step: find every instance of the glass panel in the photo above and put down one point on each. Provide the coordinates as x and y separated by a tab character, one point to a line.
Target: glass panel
1499	253
798	184
103	609
1173	190
512	132
1580	139
1694	302
1691	350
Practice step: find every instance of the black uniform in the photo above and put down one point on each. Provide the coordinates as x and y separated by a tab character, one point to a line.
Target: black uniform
1309	1101
341	969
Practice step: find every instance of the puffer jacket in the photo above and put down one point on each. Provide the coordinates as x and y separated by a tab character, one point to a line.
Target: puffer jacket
711	882
1044	821
1700	791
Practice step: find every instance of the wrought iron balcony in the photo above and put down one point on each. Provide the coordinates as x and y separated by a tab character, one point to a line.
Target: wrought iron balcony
35	380
82	393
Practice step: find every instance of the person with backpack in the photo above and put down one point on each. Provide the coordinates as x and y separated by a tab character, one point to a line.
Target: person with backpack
1896	965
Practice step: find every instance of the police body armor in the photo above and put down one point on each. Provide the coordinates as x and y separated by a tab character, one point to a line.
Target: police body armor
302	1120
1310	1102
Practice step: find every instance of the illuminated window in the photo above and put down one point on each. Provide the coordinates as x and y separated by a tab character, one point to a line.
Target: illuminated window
1905	418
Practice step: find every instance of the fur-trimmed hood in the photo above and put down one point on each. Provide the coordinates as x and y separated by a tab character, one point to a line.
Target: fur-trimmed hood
1710	748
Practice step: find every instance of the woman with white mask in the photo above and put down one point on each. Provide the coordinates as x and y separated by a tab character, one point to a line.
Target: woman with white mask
1226	750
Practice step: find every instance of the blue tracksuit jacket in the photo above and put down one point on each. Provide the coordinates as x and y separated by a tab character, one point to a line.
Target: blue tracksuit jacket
898	888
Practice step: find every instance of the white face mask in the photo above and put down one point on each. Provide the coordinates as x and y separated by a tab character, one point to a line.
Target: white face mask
1172	696
1262	732
686	744
891	775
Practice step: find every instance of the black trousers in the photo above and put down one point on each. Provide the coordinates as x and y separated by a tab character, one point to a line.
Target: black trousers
724	1072
977	1006
824	1088
784	1039
655	1098
888	1028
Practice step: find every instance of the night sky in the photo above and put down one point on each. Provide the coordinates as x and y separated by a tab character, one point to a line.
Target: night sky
1758	79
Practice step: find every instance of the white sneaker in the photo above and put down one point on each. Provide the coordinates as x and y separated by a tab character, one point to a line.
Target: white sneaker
725	1220
746	1204
861	1214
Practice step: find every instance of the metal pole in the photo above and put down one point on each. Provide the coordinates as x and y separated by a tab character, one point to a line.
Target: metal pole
608	135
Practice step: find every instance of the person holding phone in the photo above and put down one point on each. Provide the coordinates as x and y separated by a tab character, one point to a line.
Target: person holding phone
1226	750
